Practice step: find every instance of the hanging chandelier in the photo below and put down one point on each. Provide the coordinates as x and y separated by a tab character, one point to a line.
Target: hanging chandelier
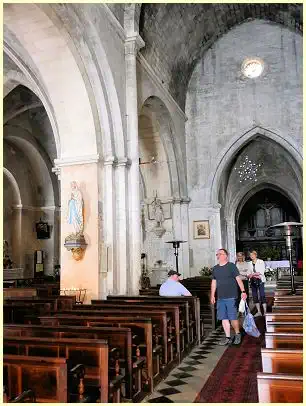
247	170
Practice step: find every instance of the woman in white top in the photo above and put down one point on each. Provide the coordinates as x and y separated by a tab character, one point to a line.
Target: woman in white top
257	279
244	271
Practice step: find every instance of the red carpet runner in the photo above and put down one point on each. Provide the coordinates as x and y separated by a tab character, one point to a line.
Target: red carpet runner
234	377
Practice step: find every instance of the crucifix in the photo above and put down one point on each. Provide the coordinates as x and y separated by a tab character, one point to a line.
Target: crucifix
267	207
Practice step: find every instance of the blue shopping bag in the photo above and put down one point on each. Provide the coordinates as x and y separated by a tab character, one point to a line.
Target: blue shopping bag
249	323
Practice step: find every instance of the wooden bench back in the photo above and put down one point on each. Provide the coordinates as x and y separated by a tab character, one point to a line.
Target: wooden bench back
92	353
287	361
47	377
284	327
284	340
19	292
288	308
279	388
284	316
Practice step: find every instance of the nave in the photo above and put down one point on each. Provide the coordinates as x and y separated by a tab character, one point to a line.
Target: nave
147	348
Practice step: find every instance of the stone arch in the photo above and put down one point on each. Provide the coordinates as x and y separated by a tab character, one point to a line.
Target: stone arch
50	53
239	141
14	185
241	200
167	135
12	221
92	60
40	162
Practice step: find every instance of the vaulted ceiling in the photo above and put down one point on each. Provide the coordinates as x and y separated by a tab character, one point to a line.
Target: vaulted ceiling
177	35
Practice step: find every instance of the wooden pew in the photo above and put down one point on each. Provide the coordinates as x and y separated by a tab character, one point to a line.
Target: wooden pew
159	318
284	327
199	288
284	340
284	361
46	376
173	311
19	292
117	337
288	299
289	308
287	292
93	354
58	303
296	316
16	313
192	309
137	324
279	388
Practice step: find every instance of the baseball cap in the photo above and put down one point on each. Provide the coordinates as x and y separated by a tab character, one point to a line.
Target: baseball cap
172	272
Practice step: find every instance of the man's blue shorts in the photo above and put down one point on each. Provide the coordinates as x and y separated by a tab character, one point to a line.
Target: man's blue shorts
227	309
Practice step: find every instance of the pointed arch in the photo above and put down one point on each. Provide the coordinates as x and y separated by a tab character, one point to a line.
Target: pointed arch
239	141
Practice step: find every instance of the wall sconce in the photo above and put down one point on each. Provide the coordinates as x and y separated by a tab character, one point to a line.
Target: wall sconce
153	160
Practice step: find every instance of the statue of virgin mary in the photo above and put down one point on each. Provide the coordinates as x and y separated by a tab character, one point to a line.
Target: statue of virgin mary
75	209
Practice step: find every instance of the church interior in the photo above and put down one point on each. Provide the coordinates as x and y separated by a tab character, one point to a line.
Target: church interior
140	139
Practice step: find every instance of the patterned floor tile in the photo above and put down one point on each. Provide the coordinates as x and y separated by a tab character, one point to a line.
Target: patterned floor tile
187	368
175	382
187	379
182	375
200	353
169	391
199	356
160	399
191	362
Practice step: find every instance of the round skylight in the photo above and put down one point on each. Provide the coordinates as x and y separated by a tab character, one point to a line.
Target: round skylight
252	67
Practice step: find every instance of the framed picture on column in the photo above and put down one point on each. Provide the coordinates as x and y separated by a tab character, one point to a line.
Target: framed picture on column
201	229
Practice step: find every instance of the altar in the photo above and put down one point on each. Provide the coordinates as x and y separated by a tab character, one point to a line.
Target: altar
282	267
277	264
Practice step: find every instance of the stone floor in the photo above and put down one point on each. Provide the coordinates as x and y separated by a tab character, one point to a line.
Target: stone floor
187	380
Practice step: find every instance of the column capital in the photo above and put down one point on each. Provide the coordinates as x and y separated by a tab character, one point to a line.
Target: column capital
185	200
124	161
109	160
181	200
133	44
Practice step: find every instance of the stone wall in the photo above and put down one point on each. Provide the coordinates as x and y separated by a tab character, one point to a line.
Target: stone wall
222	105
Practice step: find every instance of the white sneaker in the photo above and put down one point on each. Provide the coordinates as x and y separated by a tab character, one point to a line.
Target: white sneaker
257	314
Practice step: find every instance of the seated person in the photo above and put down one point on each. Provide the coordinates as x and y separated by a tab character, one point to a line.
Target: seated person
172	286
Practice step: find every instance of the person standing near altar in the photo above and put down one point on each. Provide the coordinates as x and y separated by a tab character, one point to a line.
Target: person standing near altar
225	279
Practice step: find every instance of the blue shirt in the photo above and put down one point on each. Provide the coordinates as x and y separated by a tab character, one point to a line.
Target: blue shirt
172	288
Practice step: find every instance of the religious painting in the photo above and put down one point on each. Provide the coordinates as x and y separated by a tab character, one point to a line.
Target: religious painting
201	229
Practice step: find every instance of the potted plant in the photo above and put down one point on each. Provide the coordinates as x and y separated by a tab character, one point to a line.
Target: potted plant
206	271
269	253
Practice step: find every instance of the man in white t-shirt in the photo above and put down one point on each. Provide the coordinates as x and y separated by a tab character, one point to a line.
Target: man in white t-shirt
172	286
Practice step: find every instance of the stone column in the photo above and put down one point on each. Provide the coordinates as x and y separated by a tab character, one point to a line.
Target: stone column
215	229
16	248
122	233
185	236
132	44
231	238
107	234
